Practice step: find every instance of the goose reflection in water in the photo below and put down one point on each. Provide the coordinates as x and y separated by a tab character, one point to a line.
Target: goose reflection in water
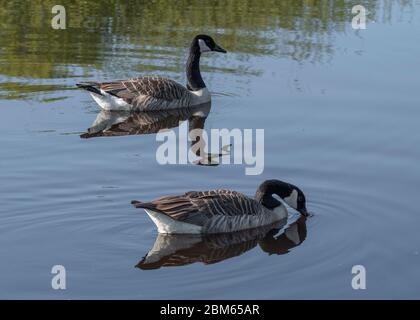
179	250
113	124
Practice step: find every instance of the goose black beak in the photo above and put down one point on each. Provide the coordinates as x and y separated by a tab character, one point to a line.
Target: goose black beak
217	48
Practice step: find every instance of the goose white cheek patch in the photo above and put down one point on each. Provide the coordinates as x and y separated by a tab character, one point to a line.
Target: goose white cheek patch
203	46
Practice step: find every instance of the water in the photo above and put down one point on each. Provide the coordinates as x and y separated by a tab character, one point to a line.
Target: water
340	113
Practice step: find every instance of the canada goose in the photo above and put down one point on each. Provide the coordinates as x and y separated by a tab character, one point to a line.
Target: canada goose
157	93
173	250
221	211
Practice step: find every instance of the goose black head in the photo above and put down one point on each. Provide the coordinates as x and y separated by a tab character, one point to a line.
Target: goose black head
290	194
206	43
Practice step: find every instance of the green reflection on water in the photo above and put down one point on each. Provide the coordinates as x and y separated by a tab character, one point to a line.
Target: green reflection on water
145	36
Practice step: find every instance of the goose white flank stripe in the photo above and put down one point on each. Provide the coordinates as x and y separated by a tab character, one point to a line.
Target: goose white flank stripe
157	93
222	211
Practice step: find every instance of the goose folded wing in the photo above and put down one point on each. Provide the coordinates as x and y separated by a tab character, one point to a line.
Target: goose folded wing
154	87
193	205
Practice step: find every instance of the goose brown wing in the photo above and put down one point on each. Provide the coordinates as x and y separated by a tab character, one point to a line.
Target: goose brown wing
155	87
196	207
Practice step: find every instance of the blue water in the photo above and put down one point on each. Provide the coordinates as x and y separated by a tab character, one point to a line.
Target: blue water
342	124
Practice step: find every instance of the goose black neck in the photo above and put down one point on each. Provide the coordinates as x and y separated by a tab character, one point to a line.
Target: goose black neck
265	191
267	188
195	82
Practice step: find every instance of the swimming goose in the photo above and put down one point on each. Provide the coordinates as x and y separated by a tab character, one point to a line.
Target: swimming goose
221	211
153	92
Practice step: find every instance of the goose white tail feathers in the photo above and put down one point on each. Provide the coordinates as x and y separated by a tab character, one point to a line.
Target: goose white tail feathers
164	223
